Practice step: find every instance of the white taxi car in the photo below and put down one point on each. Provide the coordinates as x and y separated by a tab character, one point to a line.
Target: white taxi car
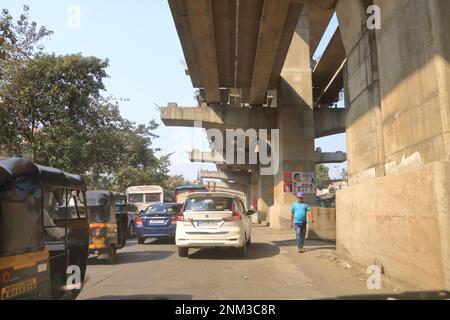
213	219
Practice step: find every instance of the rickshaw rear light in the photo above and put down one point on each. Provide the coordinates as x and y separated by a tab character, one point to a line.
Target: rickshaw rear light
139	222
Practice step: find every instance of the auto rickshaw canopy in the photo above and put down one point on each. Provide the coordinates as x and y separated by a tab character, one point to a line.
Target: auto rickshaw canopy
12	169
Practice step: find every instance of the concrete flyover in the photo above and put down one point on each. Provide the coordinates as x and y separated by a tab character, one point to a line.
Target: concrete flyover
396	83
328	121
218	157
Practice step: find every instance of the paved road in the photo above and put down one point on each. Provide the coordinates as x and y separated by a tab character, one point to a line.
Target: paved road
272	270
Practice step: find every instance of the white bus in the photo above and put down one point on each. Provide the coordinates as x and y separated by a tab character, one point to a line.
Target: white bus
143	196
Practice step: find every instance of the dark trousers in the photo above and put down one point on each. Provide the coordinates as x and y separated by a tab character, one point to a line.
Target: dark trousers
300	233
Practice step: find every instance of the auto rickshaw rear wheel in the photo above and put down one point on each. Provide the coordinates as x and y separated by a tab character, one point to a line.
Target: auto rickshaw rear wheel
111	254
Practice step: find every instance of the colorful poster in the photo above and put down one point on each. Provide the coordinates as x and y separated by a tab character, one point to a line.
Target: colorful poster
287	182
303	182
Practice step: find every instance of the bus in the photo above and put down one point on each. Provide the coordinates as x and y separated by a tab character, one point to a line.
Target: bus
182	192
143	196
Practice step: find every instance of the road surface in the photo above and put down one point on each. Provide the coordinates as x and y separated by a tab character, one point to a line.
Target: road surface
273	269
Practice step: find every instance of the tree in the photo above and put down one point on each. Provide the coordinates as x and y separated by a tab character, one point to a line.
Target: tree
322	176
52	111
178	180
50	94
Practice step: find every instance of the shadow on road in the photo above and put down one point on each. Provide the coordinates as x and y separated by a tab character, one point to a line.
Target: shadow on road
254	252
170	241
147	297
424	295
310	245
133	257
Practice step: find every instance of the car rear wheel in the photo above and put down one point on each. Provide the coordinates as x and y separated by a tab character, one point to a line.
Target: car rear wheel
141	240
242	251
183	252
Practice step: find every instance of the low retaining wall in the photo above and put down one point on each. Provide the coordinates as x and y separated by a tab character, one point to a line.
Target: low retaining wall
324	226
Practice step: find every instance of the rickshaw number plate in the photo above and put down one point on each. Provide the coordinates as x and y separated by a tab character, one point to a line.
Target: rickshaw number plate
18	288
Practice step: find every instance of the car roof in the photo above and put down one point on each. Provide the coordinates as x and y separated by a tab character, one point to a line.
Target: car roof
214	194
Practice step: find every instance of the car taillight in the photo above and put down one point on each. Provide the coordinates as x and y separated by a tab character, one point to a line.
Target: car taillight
234	217
139	222
180	217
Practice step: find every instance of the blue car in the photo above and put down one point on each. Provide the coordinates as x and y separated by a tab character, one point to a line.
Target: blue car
158	221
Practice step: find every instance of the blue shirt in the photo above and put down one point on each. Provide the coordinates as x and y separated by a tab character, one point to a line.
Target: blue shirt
300	210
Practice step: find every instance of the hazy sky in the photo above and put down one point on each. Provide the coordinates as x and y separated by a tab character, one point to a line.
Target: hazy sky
146	63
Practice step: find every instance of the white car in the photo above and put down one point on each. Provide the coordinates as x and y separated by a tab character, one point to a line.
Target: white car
213	219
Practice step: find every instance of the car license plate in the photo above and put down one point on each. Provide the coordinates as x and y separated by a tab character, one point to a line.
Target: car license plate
206	223
156	221
18	288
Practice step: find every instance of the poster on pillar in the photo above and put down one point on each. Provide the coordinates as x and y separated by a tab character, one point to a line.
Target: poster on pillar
287	182
294	182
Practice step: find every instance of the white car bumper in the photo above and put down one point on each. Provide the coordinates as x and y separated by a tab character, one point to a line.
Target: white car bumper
208	238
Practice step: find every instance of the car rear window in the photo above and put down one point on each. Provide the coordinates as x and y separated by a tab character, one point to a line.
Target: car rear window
209	204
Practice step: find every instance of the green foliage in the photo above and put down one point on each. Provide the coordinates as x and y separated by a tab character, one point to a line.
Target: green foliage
322	176
52	111
179	180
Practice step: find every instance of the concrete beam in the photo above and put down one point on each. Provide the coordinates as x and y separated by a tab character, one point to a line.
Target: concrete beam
273	20
330	157
217	158
206	157
329	121
249	22
180	17
286	38
225	34
218	117
201	21
320	14
329	69
225	175
330	94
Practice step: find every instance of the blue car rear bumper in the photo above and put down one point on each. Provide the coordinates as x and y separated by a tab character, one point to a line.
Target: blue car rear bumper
156	232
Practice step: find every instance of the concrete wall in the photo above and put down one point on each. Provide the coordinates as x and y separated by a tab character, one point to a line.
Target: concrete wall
363	123
414	68
324	226
395	220
397	82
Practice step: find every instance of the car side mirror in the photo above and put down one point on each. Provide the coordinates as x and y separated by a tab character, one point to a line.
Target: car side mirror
250	212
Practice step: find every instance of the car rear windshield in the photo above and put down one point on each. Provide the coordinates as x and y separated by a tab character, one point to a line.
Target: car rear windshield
209	204
160	208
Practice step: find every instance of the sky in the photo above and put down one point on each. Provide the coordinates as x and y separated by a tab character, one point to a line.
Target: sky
146	63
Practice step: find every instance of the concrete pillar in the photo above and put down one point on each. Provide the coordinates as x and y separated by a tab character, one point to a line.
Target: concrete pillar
396	211
295	120
265	196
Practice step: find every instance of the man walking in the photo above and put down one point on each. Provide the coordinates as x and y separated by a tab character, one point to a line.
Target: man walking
299	213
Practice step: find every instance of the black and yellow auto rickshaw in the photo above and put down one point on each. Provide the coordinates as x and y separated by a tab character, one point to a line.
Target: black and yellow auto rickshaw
108	232
121	203
44	232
